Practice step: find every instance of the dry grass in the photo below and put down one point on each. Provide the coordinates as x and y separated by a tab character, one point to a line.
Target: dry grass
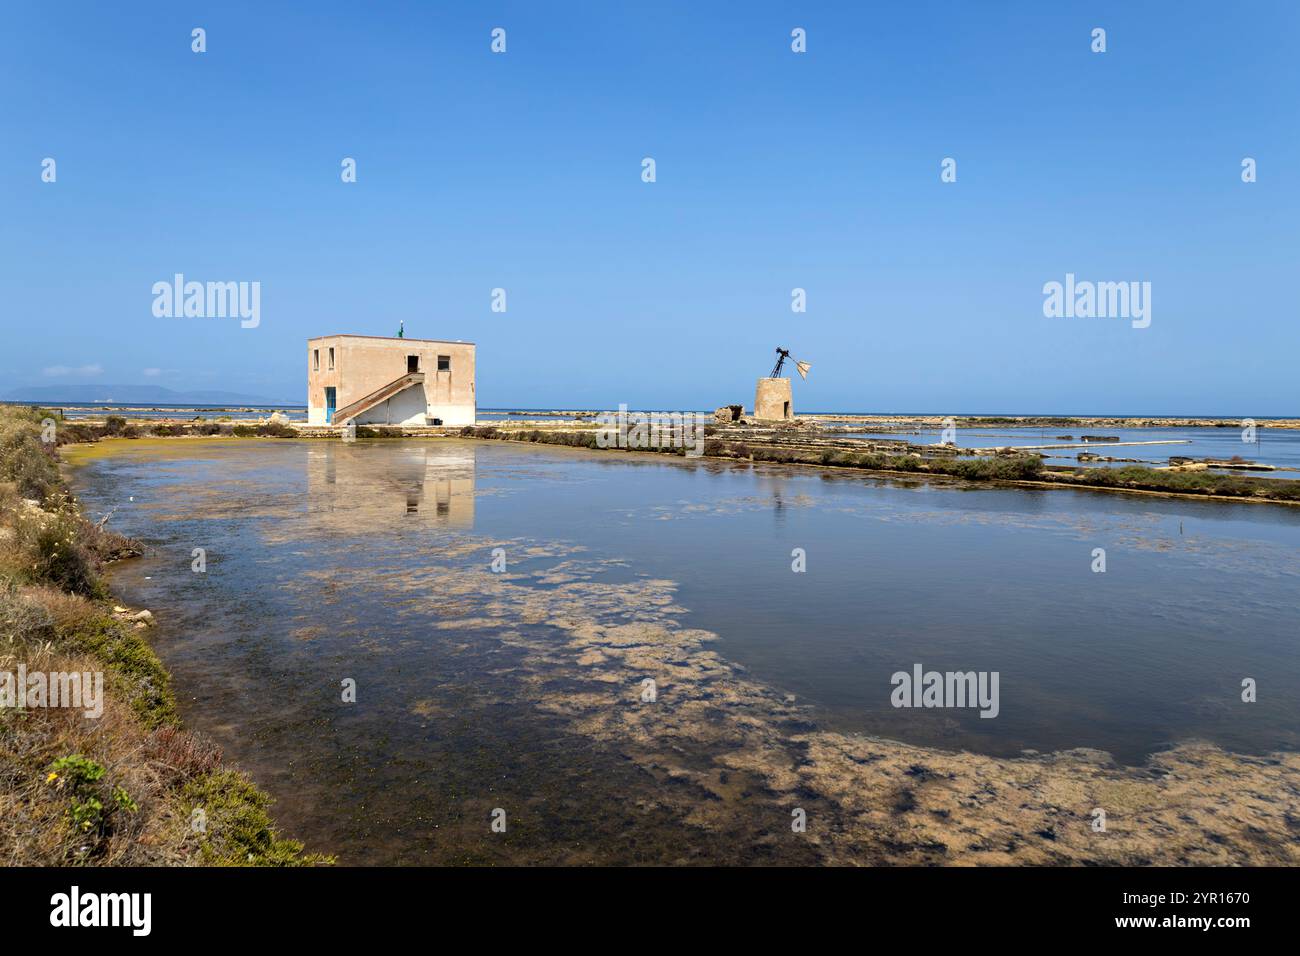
39	825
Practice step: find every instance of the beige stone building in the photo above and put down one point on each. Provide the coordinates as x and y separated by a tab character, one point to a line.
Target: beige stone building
374	380
773	400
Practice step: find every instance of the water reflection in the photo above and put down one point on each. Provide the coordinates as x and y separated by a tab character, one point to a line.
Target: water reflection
365	480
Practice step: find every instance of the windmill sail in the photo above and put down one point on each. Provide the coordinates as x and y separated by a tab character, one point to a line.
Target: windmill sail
802	368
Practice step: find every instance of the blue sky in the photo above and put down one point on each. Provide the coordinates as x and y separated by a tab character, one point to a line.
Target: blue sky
775	170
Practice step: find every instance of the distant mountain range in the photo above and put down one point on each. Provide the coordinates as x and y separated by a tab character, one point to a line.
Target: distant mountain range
131	395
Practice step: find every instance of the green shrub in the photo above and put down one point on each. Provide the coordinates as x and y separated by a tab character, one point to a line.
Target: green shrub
267	430
1015	468
77	770
51	545
122	800
80	777
26	460
239	831
378	431
71	432
134	669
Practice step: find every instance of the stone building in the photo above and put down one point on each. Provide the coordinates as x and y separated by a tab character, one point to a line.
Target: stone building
374	380
773	401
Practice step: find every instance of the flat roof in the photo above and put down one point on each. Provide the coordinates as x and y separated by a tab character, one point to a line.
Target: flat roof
388	338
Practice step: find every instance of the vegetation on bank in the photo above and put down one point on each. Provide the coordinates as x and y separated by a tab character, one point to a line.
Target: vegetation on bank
129	787
1000	468
1136	478
115	426
1008	468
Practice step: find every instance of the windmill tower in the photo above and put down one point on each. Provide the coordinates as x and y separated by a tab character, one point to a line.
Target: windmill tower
773	400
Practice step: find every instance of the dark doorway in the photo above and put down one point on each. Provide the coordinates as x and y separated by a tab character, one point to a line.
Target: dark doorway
412	364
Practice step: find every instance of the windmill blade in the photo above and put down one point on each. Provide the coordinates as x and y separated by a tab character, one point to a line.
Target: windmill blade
802	368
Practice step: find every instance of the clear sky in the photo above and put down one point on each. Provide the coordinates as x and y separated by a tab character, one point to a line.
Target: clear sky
775	170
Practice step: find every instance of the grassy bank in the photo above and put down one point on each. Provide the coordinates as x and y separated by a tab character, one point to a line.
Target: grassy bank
1019	468
127	787
115	426
1009	468
1184	483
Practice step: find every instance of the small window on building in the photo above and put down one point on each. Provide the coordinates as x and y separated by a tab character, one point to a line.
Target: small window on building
412	364
331	360
444	363
315	360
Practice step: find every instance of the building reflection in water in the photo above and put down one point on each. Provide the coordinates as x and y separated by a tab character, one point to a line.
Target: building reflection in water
382	481
774	486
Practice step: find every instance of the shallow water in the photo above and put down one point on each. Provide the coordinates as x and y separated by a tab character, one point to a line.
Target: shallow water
371	562
1279	447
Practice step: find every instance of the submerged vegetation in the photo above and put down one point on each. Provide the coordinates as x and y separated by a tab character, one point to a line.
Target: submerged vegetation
129	786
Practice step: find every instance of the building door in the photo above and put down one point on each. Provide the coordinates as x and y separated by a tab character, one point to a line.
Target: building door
412	364
330	405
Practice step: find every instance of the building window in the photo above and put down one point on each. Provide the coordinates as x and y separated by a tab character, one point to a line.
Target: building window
412	364
444	363
331	360
315	360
